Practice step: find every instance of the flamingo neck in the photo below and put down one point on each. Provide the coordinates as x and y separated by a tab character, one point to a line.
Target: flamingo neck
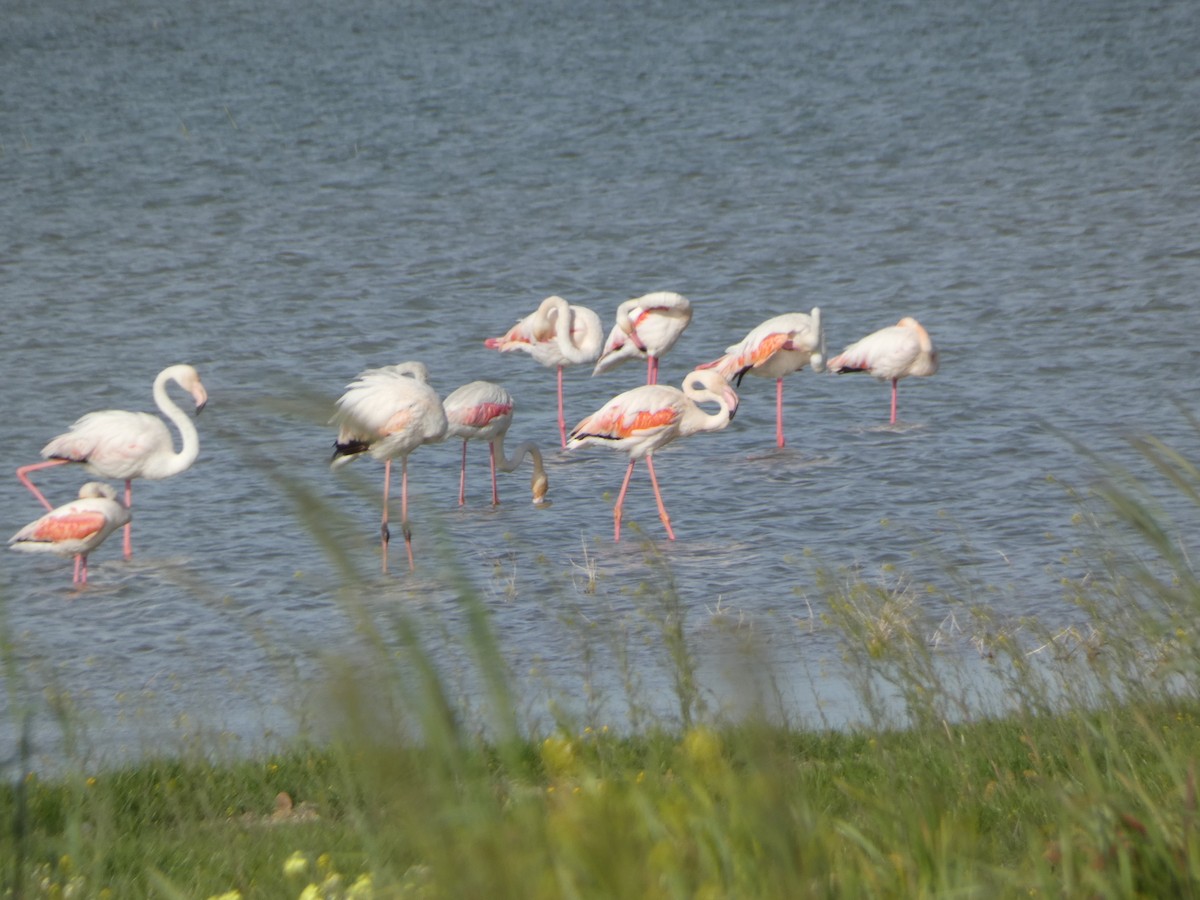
564	330
538	483
190	448
507	464
696	419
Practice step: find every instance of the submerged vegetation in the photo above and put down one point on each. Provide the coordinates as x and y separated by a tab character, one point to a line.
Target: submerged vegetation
1077	778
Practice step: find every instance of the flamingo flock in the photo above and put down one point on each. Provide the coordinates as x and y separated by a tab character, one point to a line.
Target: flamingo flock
388	413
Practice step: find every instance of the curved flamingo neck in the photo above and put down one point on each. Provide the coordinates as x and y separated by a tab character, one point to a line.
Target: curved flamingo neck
564	330
528	448
538	483
190	448
696	419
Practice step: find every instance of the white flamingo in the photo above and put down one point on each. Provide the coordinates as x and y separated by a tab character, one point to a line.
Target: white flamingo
557	334
890	354
646	328
389	413
646	418
778	347
115	443
76	528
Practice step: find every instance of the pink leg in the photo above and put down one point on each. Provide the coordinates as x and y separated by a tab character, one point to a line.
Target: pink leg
620	503
404	511
462	478
662	509
79	557
779	411
562	421
384	533
492	458
894	401
129	524
651	370
23	477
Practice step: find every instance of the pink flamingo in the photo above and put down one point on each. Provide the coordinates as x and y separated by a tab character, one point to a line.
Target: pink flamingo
76	528
648	417
890	354
389	413
114	443
646	328
556	334
482	411
777	347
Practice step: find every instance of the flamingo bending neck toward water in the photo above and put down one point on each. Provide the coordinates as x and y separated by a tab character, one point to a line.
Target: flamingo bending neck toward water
646	418
118	444
482	411
556	334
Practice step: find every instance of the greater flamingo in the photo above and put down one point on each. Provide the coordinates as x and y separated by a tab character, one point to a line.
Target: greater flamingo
646	418
556	334
76	528
646	328
114	443
482	411
890	354
388	413
777	347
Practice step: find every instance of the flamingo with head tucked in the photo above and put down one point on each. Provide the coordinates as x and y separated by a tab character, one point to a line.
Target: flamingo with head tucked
114	443
482	411
646	418
646	328
890	354
389	413
556	334
778	347
76	528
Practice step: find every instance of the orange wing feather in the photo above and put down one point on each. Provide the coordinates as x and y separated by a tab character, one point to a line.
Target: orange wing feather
74	526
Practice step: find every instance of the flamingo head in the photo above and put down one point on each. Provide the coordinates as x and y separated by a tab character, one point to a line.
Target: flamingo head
189	379
540	485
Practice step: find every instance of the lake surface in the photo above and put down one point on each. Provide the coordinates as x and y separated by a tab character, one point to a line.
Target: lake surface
286	193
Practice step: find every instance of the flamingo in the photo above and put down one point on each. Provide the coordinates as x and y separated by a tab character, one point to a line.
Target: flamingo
544	336
648	417
646	328
76	528
777	347
114	443
388	413
891	353
482	411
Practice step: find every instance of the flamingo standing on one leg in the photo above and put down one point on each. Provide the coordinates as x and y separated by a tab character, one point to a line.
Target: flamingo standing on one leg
646	328
646	418
890	354
777	347
76	528
556	334
482	411
114	443
389	413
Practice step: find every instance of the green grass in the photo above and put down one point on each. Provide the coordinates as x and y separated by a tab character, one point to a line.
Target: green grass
1084	786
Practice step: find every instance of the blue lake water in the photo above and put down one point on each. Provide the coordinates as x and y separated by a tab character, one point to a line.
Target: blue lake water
284	194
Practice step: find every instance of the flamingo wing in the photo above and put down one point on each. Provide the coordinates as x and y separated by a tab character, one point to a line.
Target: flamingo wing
885	353
112	441
73	525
